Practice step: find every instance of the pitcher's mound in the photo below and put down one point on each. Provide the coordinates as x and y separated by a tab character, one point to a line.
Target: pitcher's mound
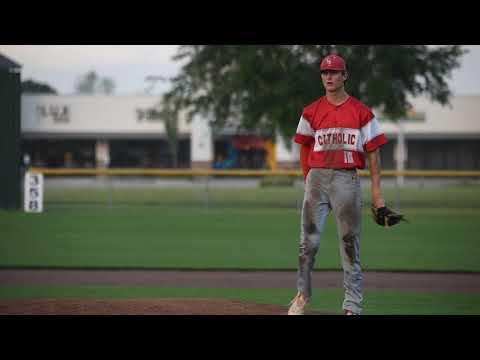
137	307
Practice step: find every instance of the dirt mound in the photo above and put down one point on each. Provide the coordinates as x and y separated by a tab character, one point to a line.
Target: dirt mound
137	307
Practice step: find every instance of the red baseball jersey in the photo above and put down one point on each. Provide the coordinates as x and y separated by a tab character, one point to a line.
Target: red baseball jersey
340	134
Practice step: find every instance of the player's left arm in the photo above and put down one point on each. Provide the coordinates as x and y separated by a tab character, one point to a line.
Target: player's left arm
373	158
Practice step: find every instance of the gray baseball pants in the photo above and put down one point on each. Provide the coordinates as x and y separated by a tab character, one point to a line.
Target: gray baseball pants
338	191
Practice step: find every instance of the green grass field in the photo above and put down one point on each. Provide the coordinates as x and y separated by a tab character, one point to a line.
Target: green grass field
240	229
326	301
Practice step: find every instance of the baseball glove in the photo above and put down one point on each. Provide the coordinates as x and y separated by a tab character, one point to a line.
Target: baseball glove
385	217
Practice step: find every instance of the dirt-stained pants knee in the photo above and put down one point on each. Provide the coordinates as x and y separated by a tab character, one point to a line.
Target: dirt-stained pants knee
337	191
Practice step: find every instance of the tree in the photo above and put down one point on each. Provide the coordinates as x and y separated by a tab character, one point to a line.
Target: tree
264	88
86	84
171	127
106	86
165	113
35	87
91	83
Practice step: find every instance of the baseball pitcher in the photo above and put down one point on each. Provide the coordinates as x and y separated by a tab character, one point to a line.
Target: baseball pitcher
337	135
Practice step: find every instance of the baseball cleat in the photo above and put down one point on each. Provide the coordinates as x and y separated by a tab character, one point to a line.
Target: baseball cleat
297	305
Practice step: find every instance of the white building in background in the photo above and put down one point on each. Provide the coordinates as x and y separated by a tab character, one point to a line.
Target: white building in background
120	131
438	137
99	131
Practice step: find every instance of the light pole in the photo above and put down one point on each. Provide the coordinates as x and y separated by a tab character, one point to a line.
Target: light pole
400	155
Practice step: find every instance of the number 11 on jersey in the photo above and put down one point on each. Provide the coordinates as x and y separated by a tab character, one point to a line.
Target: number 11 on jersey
348	157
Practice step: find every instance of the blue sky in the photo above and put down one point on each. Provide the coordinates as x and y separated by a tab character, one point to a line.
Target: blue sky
129	65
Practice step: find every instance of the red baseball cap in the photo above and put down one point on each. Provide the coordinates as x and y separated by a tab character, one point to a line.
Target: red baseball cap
333	62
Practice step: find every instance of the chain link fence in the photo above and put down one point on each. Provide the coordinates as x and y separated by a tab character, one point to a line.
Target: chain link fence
244	190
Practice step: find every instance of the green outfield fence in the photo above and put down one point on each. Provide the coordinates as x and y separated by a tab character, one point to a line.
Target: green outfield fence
243	189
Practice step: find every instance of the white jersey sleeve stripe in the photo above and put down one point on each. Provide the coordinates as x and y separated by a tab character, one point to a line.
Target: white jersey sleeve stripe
304	128
370	130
